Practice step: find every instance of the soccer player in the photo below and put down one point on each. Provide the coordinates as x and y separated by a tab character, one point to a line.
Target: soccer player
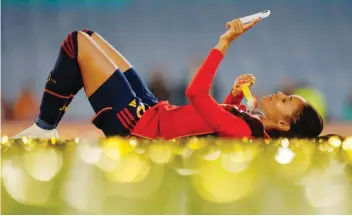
124	106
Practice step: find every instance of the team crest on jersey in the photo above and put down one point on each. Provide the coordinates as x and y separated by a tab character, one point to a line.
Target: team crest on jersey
133	103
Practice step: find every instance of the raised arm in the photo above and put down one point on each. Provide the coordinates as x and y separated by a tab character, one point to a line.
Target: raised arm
198	92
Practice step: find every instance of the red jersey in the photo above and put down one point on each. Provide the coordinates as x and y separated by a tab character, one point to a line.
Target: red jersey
203	116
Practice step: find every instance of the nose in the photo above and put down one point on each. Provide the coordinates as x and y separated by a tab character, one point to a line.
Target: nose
280	95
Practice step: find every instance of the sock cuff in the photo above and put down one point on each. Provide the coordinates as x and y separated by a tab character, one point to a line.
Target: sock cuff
130	71
44	125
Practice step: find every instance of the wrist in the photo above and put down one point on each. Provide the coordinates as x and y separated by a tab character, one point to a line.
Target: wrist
236	93
225	41
223	45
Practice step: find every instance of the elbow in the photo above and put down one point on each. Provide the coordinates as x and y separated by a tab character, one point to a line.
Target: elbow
190	92
193	92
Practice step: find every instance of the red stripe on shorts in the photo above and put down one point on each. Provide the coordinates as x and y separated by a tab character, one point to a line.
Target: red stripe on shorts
126	119
129	114
123	122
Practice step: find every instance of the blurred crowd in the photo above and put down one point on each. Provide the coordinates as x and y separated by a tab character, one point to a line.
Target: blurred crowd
26	105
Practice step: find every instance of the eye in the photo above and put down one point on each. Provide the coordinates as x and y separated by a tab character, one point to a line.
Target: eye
284	100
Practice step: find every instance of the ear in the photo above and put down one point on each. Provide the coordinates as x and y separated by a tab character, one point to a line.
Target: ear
283	126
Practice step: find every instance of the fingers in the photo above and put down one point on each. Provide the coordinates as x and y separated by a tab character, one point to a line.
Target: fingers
251	24
236	25
230	24
250	81
245	78
239	25
236	29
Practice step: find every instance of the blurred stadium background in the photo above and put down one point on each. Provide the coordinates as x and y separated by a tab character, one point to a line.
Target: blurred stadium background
304	47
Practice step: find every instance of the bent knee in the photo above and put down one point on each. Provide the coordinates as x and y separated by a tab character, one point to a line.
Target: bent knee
88	31
85	44
82	36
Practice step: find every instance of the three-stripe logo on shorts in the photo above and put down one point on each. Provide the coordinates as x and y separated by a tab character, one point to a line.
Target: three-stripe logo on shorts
127	119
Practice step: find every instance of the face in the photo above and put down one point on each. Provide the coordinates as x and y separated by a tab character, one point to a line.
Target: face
280	107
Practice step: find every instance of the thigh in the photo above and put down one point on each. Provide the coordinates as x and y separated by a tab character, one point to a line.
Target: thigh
95	66
125	67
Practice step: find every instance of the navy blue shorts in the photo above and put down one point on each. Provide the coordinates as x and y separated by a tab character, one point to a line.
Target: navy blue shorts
120	102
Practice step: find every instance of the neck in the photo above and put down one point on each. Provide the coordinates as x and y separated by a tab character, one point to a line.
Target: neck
268	124
258	113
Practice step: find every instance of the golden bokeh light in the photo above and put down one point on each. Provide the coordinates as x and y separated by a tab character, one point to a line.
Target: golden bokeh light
335	141
100	176
215	184
43	164
21	187
89	154
238	160
347	148
4	140
285	142
131	168
347	144
25	140
160	153
284	155
212	153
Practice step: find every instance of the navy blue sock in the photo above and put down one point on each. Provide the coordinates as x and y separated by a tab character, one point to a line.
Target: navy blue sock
78	85
63	83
